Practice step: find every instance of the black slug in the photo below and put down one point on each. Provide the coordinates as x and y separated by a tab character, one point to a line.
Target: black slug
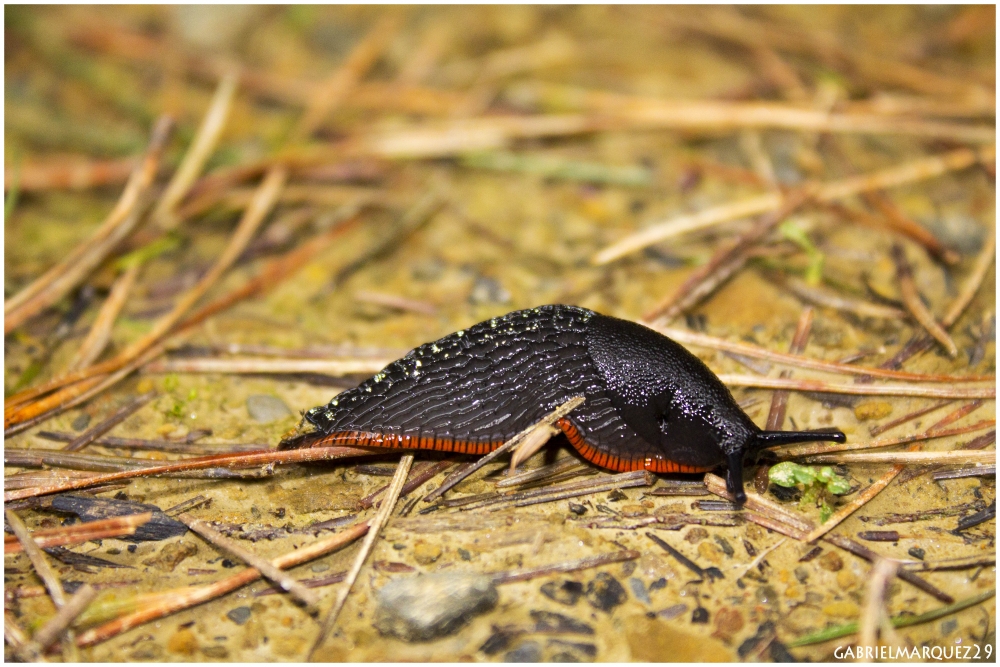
650	404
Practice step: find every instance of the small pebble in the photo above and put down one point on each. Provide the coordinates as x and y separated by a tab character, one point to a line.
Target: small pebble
171	555
239	615
672	612
577	509
917	552
264	408
487	291
605	593
724	544
700	615
872	410
696	535
526	652
425	553
565	592
658	584
831	562
215	652
427	606
81	421
639	590
183	642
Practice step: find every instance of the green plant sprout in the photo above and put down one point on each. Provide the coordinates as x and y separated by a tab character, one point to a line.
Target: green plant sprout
795	234
816	483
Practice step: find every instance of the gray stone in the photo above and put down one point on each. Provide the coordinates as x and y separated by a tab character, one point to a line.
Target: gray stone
639	590
239	615
426	606
488	291
264	408
81	421
526	652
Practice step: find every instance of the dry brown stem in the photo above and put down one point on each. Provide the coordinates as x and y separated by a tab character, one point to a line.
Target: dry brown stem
366	547
335	367
100	332
829	299
78	533
909	172
911	298
198	153
71	172
736	380
171	602
55	283
712	342
235	460
284	582
779	399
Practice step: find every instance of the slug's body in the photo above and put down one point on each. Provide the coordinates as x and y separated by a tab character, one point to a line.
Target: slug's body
649	403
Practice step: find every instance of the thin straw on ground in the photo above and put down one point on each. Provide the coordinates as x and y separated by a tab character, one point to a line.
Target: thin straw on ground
909	172
262	565
736	380
376	527
198	153
911	298
59	623
779	399
758	352
120	415
100	332
173	601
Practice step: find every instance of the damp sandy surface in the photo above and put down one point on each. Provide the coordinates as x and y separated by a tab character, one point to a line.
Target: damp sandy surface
507	241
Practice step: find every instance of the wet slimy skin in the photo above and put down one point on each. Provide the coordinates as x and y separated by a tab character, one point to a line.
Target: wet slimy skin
649	403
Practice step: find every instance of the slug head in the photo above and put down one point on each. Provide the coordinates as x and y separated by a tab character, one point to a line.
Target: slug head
673	401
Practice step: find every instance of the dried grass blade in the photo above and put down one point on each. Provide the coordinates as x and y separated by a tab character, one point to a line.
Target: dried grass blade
902	174
376	527
120	415
334	367
792	384
282	580
829	299
173	601
58	624
570	566
910	458
712	342
67	274
235	460
882	428
723	263
197	155
100	333
874	611
796	451
779	399
916	307
76	534
531	444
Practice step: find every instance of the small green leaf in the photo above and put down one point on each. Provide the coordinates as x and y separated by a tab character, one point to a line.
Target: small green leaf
824	512
838	486
783	474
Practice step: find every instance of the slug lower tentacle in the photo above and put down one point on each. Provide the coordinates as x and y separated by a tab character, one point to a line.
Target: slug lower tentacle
649	403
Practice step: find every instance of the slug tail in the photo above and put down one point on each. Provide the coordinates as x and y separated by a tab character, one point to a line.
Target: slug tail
772	438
